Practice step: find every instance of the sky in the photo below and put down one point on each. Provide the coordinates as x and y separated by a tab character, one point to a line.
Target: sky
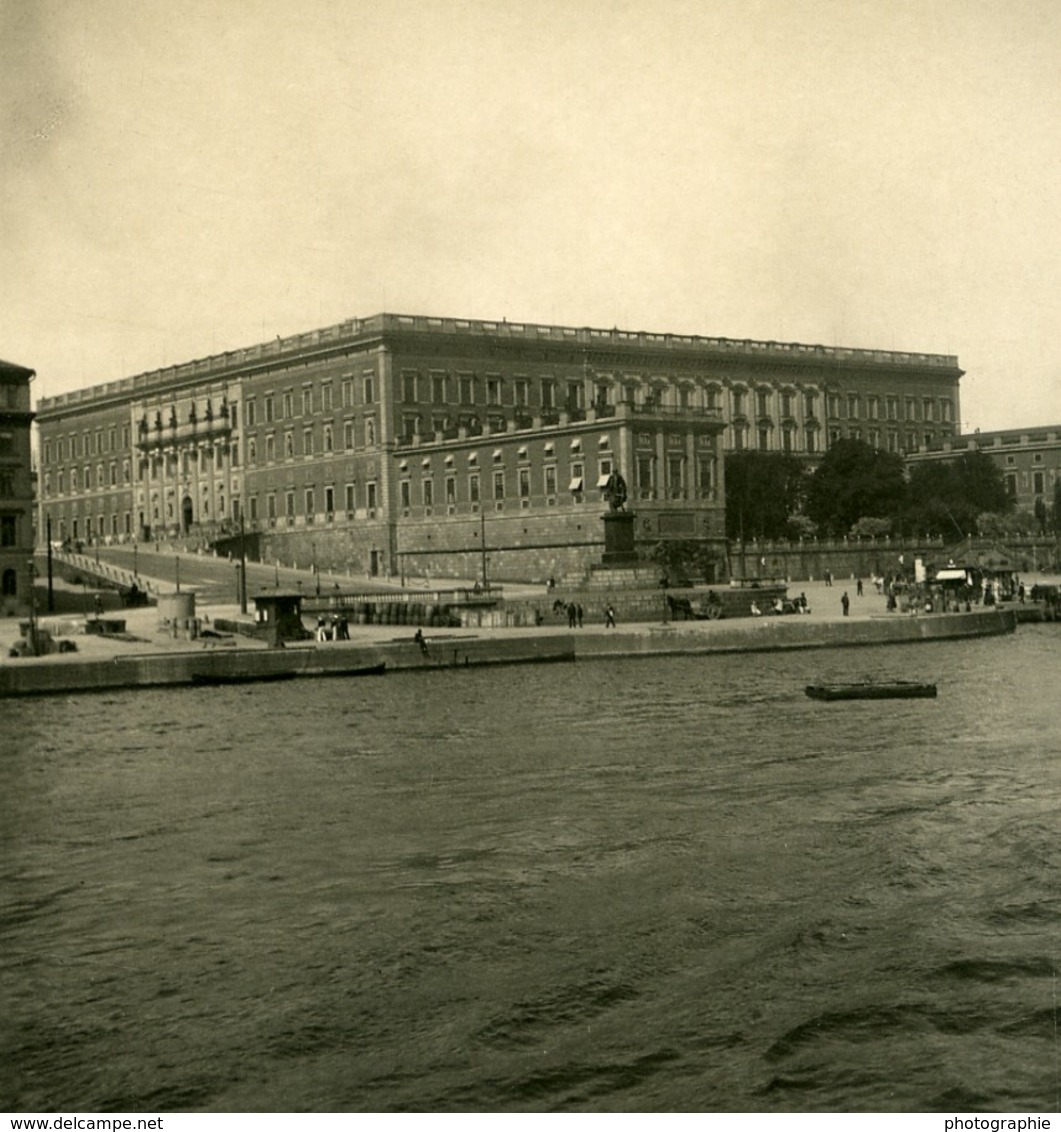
188	177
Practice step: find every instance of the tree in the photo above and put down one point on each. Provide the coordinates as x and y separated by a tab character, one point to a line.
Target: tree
945	497
991	524
763	491
870	527
854	481
683	560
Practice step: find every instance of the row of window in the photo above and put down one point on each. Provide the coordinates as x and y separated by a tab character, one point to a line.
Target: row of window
78	445
82	479
765	440
310	502
307	400
103	526
741	401
268	442
469	389
191	461
1037	481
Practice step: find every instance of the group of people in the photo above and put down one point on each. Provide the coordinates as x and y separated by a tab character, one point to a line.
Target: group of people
780	605
572	609
332	628
575	613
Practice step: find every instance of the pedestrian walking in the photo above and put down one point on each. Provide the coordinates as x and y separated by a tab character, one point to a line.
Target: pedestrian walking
858	587
609	618
845	603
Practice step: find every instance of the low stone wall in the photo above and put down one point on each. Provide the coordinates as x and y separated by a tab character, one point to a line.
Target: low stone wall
770	634
66	675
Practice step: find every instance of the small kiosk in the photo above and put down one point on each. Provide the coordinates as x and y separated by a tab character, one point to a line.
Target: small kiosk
278	617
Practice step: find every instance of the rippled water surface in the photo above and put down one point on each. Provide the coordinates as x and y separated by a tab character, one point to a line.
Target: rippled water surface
651	884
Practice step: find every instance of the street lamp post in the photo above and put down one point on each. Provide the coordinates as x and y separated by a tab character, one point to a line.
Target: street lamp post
482	546
51	594
33	609
242	566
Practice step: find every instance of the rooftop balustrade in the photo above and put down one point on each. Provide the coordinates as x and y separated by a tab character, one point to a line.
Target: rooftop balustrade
234	361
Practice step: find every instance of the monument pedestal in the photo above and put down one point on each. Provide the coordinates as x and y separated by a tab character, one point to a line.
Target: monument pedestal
619	540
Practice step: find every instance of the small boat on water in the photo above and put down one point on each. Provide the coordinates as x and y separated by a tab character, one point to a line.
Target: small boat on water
873	690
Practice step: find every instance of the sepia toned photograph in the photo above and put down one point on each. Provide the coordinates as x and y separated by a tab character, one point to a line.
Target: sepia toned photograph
530	542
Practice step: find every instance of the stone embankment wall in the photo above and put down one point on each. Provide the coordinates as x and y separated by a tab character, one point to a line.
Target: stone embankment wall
65	674
781	633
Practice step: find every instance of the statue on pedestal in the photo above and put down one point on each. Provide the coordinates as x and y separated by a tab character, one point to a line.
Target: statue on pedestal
615	491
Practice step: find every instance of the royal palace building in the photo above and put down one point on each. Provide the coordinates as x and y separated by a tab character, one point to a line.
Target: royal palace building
435	446
16	490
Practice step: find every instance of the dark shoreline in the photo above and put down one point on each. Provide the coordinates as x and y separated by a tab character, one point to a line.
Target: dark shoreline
72	673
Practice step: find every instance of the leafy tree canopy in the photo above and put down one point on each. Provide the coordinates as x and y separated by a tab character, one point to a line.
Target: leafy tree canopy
682	561
853	481
869	526
946	497
764	490
990	524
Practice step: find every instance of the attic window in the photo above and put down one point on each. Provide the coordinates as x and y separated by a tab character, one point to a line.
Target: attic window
603	442
576	443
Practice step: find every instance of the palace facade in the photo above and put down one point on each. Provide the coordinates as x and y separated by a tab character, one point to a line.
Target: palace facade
437	446
16	490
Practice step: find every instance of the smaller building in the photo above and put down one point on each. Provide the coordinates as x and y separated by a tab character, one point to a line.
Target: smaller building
1028	458
16	491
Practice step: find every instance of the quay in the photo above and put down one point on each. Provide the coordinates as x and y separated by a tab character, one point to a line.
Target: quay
143	655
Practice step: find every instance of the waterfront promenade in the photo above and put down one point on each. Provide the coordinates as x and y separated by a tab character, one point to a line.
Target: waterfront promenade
149	653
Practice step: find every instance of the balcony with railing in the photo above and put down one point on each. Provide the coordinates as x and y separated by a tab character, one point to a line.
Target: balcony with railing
171	434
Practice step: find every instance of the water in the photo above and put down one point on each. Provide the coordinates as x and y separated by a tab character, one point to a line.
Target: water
671	884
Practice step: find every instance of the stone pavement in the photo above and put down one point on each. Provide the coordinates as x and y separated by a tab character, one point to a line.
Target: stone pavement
145	635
